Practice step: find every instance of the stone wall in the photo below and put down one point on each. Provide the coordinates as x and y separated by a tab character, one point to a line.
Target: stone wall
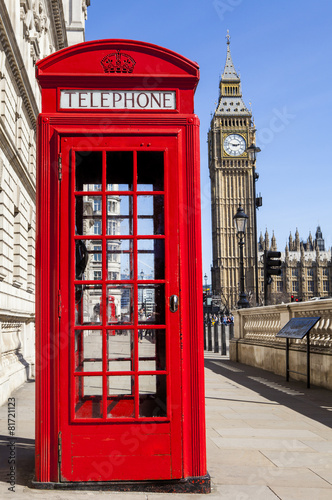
29	30
255	342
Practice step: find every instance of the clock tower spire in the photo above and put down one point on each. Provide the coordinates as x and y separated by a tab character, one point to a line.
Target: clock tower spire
232	175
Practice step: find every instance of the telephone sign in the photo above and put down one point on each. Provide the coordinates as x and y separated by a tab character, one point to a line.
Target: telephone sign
120	388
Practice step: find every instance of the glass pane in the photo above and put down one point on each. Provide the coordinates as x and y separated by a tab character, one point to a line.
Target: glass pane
88	170
120	350
120	401
92	386
150	171
88	300
88	260
119	215
151	304
152	396
120	385
152	350
150	214
151	259
88	351
119	304
119	176
88	398
119	259
88	212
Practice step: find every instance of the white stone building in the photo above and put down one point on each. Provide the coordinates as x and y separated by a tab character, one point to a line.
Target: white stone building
29	30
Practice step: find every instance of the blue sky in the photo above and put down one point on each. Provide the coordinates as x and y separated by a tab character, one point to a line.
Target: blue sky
283	52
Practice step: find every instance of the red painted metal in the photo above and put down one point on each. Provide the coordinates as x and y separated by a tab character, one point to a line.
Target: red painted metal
86	431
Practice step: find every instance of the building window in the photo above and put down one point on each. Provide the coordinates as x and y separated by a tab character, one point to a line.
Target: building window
97	227
97	275
97	253
310	286
326	286
112	275
295	271
295	286
111	226
97	205
326	272
310	272
280	286
111	207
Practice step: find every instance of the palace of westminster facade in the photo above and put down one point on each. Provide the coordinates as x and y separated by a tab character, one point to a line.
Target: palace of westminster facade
306	270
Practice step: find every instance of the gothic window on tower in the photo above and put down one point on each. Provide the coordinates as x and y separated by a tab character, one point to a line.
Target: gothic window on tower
311	286
295	286
326	286
310	272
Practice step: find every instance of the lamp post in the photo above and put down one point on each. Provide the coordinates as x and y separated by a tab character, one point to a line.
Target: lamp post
240	219
252	152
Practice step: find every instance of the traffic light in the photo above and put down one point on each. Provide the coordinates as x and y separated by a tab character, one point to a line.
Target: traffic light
272	266
292	298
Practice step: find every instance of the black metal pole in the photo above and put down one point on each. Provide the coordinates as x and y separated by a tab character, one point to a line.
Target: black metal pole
243	302
209	336
223	339
216	339
287	359
308	360
255	231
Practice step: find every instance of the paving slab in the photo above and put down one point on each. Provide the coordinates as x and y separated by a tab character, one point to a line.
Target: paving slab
266	439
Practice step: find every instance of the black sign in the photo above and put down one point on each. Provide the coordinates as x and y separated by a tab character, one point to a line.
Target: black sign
297	328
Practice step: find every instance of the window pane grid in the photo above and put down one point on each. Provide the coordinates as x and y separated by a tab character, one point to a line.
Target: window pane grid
113	386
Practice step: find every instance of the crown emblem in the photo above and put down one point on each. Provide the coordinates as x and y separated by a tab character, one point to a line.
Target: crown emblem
118	62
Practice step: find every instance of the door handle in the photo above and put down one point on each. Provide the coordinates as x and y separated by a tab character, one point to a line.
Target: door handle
174	303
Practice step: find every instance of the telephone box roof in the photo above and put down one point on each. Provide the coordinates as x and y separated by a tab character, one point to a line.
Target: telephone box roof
123	59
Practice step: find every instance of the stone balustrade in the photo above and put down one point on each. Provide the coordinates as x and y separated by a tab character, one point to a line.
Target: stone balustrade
255	340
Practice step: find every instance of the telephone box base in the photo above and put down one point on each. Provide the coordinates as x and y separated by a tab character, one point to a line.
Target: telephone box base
200	484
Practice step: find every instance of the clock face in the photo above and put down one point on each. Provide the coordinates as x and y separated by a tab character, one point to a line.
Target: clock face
234	145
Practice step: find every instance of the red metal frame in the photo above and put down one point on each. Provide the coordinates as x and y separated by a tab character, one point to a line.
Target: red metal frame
176	132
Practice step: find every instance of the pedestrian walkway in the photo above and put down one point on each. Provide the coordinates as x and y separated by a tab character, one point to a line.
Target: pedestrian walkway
266	439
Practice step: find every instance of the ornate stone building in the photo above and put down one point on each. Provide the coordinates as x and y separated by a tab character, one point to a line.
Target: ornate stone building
232	175
29	30
306	269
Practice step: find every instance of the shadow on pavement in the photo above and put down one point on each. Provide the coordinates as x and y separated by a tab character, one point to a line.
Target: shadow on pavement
314	403
21	454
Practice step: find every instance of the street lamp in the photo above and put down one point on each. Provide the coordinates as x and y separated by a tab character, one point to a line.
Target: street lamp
252	153
240	219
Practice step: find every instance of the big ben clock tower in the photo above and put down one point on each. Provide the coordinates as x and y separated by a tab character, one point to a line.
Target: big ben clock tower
232	176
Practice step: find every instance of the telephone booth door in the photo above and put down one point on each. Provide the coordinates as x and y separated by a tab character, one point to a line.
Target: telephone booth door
119	286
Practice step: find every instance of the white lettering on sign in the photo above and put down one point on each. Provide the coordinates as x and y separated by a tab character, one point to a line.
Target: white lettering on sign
117	99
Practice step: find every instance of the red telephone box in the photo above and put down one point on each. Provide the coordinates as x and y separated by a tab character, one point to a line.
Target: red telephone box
120	387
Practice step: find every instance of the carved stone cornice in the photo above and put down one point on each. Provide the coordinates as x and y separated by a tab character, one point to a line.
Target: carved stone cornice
16	63
58	24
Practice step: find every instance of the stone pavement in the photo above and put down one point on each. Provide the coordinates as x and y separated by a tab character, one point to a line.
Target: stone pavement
266	439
